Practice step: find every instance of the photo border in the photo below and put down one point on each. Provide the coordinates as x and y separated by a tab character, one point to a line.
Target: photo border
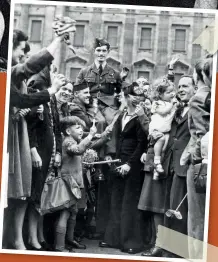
6	114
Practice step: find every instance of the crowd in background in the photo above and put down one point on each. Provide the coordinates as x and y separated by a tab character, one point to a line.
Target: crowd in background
158	131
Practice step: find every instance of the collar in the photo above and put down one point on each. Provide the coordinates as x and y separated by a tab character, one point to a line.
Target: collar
203	88
97	64
78	103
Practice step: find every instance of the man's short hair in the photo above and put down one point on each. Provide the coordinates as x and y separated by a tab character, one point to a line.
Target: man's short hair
27	48
69	121
18	36
189	76
208	66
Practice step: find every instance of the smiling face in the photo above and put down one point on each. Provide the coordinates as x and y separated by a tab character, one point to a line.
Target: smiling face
83	96
18	52
186	89
168	94
101	53
143	82
75	131
65	93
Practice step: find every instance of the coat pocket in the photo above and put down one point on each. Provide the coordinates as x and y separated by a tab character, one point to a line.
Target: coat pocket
90	79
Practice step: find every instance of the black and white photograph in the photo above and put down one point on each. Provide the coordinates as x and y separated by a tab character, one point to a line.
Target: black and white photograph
108	133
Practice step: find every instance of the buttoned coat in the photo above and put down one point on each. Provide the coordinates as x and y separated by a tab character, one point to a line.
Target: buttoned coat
178	140
20	166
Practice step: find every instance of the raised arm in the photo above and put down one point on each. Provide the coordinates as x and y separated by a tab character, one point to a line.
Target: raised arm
79	149
80	77
30	100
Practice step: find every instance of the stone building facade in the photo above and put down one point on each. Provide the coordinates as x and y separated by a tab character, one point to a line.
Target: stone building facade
143	40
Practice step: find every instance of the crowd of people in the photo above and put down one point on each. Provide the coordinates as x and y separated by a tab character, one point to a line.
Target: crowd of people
99	157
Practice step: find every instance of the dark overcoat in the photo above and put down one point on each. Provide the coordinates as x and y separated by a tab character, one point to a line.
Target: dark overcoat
125	224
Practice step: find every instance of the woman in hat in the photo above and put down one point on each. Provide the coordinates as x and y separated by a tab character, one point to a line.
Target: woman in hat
124	229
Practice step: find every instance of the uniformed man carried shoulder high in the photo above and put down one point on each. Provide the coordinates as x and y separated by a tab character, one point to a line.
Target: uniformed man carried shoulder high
104	82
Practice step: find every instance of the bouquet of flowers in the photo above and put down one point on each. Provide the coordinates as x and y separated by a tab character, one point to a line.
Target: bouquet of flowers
89	156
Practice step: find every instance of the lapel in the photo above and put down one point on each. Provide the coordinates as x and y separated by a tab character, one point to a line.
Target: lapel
94	68
185	117
106	70
128	124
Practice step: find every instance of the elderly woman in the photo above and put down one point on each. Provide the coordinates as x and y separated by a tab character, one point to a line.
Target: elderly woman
124	229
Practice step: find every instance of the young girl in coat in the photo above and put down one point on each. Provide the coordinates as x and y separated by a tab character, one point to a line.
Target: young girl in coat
163	110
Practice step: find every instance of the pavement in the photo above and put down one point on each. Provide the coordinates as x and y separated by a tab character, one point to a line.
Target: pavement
93	248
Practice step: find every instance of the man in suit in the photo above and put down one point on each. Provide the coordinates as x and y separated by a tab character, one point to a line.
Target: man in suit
179	138
199	124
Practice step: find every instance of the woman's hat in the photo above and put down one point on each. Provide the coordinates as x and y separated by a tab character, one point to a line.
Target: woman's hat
134	89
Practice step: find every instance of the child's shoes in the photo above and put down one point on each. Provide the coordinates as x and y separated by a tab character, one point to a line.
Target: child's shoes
159	168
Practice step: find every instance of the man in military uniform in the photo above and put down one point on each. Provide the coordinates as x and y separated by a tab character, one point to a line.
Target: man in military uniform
80	107
104	83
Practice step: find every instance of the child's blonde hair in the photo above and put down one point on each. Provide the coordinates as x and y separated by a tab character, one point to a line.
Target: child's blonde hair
159	86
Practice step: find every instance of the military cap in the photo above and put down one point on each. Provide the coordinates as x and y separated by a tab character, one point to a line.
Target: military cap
80	87
101	42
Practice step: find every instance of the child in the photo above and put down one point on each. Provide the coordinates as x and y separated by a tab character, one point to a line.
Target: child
73	147
163	111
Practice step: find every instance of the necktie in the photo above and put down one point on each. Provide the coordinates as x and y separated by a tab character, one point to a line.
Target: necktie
100	69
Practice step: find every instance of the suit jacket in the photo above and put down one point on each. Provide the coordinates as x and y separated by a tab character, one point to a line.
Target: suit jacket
178	140
131	142
199	120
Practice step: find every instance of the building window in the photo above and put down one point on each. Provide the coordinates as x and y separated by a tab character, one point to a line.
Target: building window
180	37
177	77
79	35
145	74
145	40
74	73
36	29
112	35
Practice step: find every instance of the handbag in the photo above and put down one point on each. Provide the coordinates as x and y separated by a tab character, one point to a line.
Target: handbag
59	192
200	178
